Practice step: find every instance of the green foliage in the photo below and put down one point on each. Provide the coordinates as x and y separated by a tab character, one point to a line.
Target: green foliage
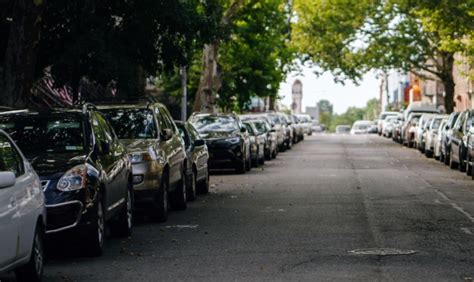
255	59
122	41
325	106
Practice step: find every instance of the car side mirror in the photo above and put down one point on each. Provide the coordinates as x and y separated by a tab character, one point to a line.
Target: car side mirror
7	179
166	134
199	143
243	129
104	147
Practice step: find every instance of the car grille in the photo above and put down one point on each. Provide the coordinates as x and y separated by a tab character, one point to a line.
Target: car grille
45	184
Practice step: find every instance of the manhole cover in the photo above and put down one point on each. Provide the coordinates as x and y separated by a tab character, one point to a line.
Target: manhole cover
382	252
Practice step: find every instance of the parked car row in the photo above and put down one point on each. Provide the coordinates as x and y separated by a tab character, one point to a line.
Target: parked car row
447	138
83	171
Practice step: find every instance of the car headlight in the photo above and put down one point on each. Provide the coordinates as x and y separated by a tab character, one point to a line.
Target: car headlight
233	140
139	157
73	179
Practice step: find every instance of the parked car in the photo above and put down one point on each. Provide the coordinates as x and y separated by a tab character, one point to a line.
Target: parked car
299	129
409	129
22	214
343	129
227	140
382	117
306	122
423	124
197	173
262	122
279	128
373	129
459	140
289	132
156	152
258	140
84	171
431	134
271	146
316	126
360	127
447	137
470	145
388	125
438	141
397	129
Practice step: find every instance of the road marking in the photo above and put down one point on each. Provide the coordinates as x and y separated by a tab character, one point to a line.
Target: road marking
382	252
182	226
455	206
467	231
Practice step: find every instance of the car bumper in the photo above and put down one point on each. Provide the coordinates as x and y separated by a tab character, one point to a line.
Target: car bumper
146	176
224	157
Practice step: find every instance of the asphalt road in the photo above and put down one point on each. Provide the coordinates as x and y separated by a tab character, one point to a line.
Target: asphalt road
327	210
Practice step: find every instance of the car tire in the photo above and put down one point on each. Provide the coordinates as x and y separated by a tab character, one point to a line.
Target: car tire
452	164
204	185
124	224
96	233
192	187
179	195
462	165
468	166
33	270
161	201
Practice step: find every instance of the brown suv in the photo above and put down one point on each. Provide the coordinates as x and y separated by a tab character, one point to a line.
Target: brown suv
156	151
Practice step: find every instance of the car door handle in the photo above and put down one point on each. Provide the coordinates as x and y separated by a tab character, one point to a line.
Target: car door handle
12	203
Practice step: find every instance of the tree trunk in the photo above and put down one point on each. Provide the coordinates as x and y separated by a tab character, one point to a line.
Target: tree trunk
17	75
449	84
210	81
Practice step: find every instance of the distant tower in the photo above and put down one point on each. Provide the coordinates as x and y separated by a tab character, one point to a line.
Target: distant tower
297	95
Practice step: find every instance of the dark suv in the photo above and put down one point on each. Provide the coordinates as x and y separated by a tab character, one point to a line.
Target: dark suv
84	170
156	151
227	140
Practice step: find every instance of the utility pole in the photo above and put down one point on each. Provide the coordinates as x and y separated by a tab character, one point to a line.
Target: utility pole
184	93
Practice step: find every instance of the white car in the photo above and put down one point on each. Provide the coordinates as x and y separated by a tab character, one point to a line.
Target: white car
431	134
361	127
381	119
22	214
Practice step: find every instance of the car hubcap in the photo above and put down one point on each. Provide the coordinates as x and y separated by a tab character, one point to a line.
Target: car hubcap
38	255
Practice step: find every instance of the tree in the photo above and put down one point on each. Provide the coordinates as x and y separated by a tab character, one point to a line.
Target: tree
20	22
350	40
255	60
325	106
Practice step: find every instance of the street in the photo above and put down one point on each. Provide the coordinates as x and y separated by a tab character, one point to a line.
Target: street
311	214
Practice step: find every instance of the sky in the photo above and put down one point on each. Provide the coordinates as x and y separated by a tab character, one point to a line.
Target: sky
324	87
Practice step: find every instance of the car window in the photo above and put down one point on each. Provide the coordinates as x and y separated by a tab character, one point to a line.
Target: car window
164	120
184	134
249	128
10	159
193	134
132	123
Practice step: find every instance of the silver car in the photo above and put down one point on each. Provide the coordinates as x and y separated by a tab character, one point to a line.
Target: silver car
431	134
22	214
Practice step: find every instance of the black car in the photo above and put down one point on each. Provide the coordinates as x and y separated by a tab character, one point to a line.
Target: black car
227	140
84	170
459	141
197	174
446	141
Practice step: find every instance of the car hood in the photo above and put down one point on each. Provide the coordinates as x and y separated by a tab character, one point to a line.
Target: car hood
52	163
137	145
218	135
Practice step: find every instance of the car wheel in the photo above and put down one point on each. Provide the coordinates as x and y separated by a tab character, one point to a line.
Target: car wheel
160	203
96	234
468	166
123	226
462	164
289	145
204	185
452	164
241	166
192	187
179	194
33	270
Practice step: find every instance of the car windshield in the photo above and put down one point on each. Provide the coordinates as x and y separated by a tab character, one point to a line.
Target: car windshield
361	126
208	124
132	123
46	134
260	126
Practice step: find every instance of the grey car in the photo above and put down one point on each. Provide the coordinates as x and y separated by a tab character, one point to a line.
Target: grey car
156	151
197	173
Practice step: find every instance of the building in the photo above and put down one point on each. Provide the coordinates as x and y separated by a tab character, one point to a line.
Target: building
297	96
